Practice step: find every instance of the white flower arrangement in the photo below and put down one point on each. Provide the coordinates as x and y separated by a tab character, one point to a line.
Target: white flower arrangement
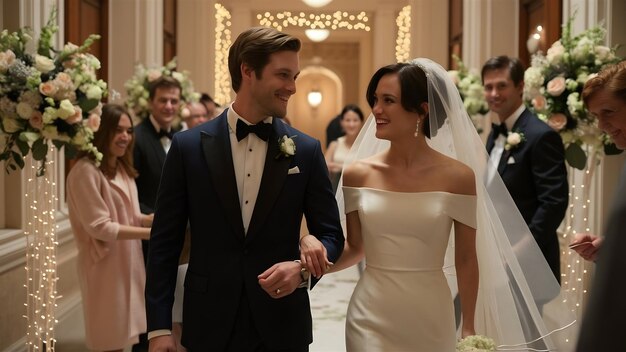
47	96
138	86
553	86
287	146
471	90
476	343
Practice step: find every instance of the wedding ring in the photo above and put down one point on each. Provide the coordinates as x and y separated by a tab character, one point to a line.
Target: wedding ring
277	291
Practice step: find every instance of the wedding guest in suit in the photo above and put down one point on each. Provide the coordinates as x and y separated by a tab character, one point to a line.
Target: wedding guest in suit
152	141
108	225
529	156
352	119
243	181
198	114
605	98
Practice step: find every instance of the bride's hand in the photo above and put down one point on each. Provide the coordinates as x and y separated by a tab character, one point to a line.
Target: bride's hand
313	256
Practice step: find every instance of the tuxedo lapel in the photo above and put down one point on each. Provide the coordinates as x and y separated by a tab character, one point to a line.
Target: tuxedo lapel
218	155
520	127
155	143
273	179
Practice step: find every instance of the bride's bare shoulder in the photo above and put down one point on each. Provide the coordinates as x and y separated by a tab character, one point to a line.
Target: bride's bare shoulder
355	174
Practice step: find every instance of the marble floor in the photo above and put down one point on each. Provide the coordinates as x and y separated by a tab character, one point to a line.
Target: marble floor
329	302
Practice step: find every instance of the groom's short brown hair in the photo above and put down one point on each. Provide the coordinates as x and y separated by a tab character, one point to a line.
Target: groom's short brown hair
254	47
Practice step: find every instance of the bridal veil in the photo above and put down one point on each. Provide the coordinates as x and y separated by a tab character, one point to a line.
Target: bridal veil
516	282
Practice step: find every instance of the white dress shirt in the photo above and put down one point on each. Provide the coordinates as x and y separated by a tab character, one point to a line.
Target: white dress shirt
498	147
165	142
249	161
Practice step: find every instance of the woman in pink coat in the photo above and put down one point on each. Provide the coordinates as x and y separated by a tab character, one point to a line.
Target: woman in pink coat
108	228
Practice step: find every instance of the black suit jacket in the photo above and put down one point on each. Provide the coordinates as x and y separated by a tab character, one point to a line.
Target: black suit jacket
198	185
534	173
148	159
602	326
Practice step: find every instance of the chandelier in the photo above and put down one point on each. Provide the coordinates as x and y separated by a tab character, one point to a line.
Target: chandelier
317	3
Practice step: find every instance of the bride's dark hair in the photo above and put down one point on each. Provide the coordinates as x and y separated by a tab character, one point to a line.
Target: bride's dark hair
413	90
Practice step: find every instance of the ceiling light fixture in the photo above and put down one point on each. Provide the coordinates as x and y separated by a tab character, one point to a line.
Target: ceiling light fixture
317	35
317	3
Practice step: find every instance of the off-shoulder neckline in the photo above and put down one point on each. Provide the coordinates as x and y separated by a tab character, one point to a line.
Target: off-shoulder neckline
420	192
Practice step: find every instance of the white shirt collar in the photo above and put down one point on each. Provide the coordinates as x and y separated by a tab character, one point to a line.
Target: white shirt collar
511	120
156	125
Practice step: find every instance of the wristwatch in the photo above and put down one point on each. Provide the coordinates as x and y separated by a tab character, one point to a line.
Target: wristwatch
304	275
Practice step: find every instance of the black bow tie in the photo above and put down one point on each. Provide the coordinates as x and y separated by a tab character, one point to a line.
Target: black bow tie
499	129
262	130
163	133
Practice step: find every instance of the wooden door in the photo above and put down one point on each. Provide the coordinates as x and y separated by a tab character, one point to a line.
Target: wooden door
544	13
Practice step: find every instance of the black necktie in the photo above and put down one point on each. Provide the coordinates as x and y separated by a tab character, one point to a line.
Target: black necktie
262	130
499	129
163	133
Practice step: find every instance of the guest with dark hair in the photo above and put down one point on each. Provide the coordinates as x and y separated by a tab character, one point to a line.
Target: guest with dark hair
351	120
213	108
108	226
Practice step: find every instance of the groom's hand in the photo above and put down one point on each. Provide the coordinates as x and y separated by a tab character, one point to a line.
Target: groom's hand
281	279
163	343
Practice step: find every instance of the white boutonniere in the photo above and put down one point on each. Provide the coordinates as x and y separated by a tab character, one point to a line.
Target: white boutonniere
513	139
287	146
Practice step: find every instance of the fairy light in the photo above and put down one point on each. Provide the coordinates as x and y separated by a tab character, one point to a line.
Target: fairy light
223	40
336	20
41	263
403	40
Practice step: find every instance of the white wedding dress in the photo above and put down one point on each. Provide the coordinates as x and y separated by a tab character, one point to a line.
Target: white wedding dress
402	301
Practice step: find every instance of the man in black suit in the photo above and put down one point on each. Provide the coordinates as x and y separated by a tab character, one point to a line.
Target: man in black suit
153	138
529	156
243	181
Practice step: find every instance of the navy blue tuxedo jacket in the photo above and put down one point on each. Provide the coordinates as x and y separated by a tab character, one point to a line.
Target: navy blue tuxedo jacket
534	173
198	185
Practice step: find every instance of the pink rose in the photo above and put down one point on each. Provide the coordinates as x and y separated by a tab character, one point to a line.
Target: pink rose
36	120
76	117
539	102
93	122
556	86
557	121
48	88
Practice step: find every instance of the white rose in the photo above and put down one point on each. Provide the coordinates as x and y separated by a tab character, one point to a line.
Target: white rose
603	53
66	109
7	58
43	64
24	110
555	53
11	125
288	146
556	86
153	75
513	138
94	92
178	76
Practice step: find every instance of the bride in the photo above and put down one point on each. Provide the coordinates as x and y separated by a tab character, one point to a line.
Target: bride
417	208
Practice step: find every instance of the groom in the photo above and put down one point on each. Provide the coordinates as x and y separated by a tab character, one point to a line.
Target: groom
243	189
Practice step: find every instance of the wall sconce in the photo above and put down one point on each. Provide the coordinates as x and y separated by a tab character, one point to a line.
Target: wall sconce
317	3
532	44
317	35
314	98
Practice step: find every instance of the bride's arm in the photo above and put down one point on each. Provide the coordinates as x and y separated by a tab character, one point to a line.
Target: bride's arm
353	249
467	274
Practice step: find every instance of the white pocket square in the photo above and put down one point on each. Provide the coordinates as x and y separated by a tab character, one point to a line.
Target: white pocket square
294	170
510	161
